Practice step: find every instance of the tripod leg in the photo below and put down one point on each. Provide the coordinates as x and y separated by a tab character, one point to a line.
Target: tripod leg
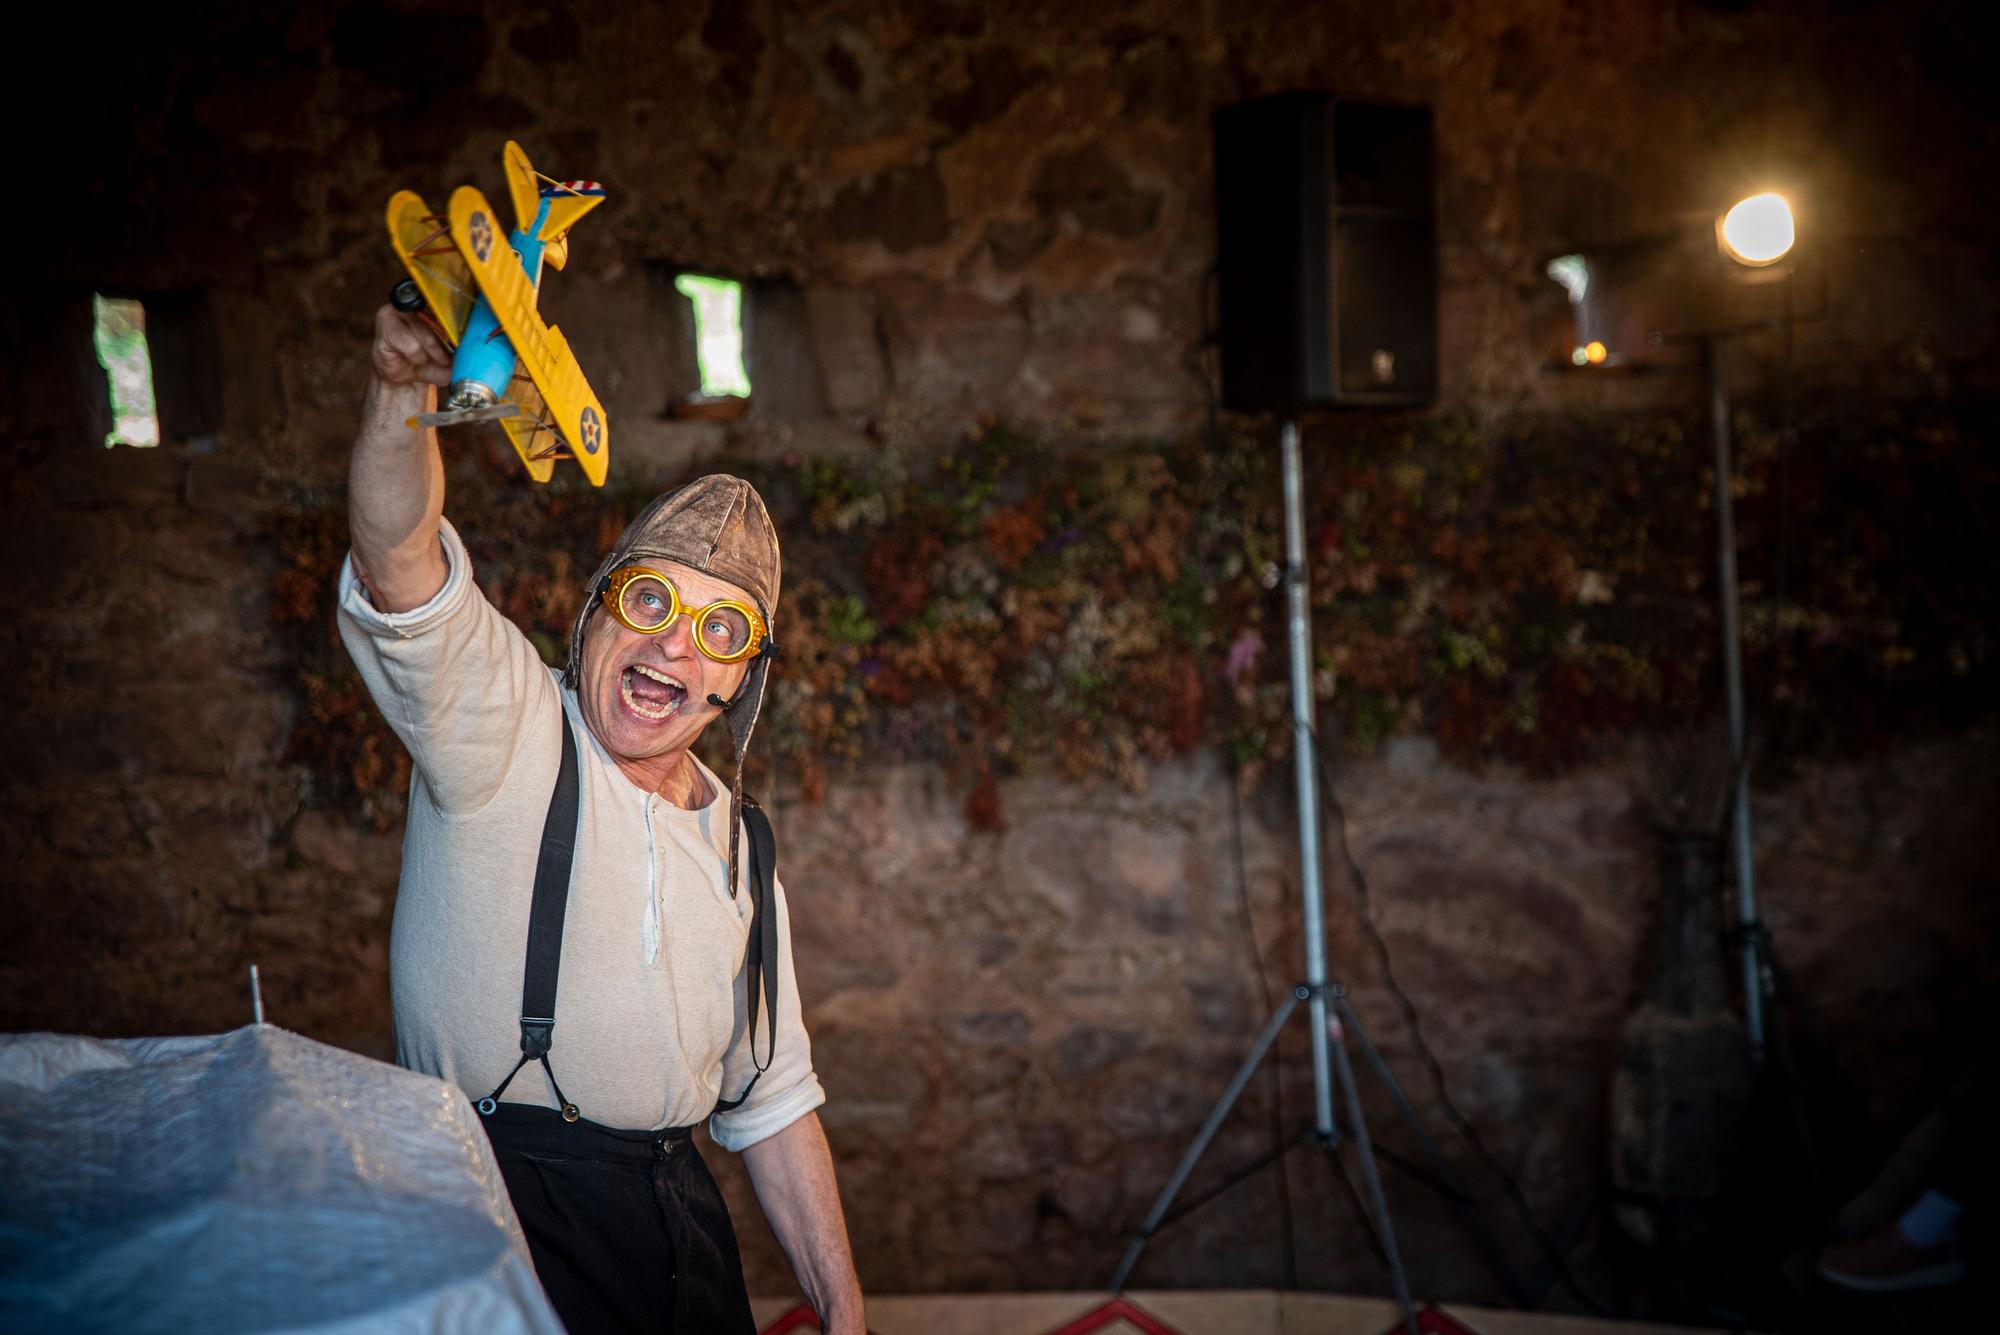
1371	1177
1467	1208
1202	1137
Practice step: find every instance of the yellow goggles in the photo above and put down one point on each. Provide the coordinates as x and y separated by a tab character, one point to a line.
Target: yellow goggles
646	601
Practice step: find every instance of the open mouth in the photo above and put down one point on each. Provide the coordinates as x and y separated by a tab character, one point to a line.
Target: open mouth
649	692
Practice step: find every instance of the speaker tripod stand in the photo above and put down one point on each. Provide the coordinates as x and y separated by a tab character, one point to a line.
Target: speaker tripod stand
1325	1002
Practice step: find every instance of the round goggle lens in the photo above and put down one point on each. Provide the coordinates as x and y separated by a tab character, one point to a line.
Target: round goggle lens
723	631
648	603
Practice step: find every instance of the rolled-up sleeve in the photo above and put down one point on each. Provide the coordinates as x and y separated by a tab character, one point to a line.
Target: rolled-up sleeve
789	1088
456	681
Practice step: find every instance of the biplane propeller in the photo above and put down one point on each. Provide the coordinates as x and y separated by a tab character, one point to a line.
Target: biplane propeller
478	288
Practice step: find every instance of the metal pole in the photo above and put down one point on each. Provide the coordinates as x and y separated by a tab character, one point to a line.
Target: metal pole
1206	1134
256	998
1314	991
1732	668
1306	769
1305	766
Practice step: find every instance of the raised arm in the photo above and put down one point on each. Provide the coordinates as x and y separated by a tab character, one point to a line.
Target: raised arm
395	481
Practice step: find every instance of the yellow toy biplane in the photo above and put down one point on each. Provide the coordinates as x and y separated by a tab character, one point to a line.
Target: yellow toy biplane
478	286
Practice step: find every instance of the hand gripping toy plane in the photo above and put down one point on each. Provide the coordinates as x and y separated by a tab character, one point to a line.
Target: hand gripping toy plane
478	287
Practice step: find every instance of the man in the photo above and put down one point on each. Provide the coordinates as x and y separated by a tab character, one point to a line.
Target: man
648	975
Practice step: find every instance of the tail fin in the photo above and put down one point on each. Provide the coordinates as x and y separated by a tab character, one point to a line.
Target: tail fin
568	201
520	185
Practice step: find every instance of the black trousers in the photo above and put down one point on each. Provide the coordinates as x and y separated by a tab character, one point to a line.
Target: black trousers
627	1228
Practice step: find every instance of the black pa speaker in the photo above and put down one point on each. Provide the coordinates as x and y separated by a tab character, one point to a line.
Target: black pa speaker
1326	237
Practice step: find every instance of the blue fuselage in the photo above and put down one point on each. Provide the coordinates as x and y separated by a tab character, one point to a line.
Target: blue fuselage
485	356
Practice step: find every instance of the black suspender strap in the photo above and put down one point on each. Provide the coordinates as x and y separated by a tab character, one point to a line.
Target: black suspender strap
545	928
761	958
545	933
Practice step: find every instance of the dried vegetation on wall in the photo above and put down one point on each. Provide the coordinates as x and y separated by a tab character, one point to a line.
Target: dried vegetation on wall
1534	594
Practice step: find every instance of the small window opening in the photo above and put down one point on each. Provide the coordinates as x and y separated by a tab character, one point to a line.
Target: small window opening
718	331
120	336
1573	273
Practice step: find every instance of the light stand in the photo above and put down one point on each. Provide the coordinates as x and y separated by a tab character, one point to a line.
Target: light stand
1757	233
1761	973
1748	927
1326	1003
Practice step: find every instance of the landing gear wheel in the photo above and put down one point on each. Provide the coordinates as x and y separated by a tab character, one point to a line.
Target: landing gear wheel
405	297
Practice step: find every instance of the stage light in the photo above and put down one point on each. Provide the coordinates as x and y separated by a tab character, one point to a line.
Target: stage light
1758	231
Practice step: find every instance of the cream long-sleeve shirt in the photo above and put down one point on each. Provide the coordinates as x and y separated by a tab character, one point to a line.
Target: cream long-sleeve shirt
652	1002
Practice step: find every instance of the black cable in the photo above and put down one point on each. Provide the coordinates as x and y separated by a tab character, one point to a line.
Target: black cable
1199	371
1279	1147
1572	1231
1243	1173
1432	1068
1196	369
1771	980
1361	1215
1787	431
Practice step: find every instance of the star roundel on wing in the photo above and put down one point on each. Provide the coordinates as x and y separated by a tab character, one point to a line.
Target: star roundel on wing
482	236
590	430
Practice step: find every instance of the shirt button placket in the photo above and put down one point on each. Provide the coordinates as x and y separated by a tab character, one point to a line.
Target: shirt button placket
655	910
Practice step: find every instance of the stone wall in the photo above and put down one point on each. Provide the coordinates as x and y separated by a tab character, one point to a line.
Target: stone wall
947	215
1034	1022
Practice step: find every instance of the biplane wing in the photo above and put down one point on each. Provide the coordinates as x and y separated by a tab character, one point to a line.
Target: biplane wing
533	440
569	406
424	245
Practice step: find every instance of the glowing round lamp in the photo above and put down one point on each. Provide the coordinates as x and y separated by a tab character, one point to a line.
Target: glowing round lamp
1758	231
1594	352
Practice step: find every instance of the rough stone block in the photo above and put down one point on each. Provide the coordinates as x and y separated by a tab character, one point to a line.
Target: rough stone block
655	453
337	843
957	349
847	342
122	477
230	488
1004	1028
1089	1048
778	354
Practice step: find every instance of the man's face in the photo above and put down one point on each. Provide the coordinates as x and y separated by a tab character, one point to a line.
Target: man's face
645	697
